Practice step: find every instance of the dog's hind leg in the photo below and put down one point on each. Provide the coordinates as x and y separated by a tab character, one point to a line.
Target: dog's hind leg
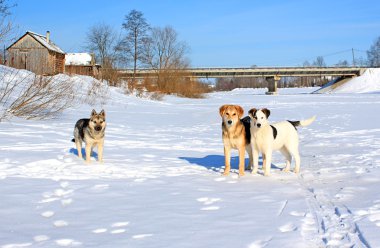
248	149
297	161
294	151
88	152
78	144
288	158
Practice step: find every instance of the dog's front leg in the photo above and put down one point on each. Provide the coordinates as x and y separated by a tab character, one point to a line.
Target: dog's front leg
268	162
88	152
100	151
255	154
241	161
227	158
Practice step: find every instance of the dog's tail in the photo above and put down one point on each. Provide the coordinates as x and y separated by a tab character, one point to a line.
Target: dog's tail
73	140
303	123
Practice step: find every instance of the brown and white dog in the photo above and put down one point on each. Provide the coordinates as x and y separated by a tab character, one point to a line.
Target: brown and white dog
267	138
236	135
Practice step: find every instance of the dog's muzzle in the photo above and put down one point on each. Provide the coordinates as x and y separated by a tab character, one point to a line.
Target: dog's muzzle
98	128
258	125
229	122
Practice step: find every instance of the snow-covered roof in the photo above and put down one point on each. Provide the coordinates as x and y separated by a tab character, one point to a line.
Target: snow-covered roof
42	39
78	59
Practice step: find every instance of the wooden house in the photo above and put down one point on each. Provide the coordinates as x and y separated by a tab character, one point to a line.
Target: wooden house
82	64
36	53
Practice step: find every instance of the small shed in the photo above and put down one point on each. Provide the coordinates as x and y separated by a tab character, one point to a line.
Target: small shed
36	53
82	64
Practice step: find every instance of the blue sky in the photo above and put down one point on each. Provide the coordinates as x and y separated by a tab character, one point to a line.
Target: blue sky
222	33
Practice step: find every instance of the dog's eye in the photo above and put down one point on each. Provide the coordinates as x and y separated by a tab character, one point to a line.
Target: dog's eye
233	114
227	114
262	118
101	122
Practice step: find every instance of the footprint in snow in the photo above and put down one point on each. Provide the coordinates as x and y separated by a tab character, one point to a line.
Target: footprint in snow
60	223
141	236
99	230
118	231
120	224
41	238
207	202
47	214
288	227
259	243
67	242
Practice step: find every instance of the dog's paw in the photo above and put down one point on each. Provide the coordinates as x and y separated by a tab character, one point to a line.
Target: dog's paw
241	174
285	169
226	173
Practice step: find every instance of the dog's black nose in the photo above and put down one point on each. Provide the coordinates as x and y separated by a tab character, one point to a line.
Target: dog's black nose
258	125
98	128
229	122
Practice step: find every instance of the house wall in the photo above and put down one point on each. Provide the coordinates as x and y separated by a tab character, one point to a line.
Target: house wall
88	70
29	54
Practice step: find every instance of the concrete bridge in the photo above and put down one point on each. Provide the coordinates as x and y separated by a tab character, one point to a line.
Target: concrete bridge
271	74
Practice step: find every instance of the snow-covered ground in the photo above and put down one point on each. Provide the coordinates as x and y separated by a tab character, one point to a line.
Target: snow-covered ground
161	183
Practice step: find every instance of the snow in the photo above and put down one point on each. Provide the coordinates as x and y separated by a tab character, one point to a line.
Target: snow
161	186
369	82
78	59
50	45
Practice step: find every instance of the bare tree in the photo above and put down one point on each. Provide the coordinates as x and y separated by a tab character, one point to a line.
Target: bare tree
319	62
5	24
342	63
102	40
137	28
164	51
373	54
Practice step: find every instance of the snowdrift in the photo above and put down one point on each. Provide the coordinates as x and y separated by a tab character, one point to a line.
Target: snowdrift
369	82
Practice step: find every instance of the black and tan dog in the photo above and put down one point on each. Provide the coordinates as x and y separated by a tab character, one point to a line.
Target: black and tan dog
91	132
236	135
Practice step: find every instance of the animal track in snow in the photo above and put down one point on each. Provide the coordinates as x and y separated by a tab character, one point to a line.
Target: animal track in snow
60	223
141	236
120	224
118	231
99	230
67	242
207	202
47	214
40	238
288	227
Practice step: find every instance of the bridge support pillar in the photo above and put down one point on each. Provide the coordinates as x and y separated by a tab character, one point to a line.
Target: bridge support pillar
272	85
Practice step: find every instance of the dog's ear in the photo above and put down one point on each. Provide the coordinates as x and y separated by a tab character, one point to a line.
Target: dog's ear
93	112
240	110
102	113
222	109
266	112
252	112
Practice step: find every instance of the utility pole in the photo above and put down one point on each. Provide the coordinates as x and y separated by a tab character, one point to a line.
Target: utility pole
353	57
